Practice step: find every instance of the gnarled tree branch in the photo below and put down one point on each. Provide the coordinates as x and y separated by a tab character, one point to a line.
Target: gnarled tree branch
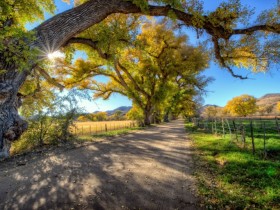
221	60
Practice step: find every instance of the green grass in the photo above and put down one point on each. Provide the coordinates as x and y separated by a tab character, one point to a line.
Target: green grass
272	142
232	177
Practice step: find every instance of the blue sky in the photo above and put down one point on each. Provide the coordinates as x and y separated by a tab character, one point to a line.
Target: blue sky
224	88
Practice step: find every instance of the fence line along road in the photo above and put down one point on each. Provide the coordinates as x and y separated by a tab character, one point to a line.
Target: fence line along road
91	128
263	132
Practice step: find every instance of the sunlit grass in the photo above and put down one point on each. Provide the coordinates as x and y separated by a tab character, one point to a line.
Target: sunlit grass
232	177
22	145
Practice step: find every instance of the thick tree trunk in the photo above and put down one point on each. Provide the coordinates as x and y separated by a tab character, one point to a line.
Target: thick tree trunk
147	119
166	116
148	110
11	124
156	118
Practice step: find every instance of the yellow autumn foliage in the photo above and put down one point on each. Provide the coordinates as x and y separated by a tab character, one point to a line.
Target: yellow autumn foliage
242	106
244	57
278	106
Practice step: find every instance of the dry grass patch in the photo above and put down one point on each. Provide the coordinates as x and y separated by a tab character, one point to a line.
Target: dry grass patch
89	127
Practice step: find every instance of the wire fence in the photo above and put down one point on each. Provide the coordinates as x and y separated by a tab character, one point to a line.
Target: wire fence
101	127
260	135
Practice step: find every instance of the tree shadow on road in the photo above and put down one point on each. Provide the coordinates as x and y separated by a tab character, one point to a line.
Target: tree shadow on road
147	170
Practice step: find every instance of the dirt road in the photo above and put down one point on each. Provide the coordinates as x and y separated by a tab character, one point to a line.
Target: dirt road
148	169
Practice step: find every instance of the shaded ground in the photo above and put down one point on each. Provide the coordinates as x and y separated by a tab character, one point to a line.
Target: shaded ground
148	169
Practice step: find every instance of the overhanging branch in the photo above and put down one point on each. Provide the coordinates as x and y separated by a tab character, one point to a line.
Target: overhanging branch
49	78
90	43
136	86
221	60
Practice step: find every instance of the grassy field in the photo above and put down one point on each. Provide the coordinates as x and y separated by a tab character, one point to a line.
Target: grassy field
231	177
91	128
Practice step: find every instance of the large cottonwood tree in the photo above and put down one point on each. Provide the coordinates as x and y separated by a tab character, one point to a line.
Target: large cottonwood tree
231	45
154	65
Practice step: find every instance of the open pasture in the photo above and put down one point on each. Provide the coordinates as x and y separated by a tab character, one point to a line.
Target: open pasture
89	127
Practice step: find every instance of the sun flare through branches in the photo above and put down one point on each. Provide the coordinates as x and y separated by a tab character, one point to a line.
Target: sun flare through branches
55	54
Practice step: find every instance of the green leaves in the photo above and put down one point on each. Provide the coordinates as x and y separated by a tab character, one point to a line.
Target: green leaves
24	11
14	40
14	49
253	52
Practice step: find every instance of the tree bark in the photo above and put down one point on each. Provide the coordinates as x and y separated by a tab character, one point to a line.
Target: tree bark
55	32
166	116
147	119
11	124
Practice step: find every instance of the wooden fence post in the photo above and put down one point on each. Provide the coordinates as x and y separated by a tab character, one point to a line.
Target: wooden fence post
215	127
223	127
212	125
243	135
264	140
235	130
106	129
229	129
252	136
277	125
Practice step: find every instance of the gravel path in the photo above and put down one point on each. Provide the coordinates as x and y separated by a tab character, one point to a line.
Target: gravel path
147	169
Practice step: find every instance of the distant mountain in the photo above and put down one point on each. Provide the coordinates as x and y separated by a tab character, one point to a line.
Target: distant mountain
210	105
124	109
269	100
205	106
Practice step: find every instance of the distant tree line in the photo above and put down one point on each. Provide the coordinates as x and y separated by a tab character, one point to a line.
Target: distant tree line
241	106
102	116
